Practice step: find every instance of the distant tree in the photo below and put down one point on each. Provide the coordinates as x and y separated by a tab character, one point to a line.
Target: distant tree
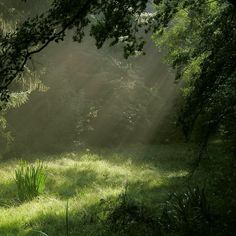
102	100
212	50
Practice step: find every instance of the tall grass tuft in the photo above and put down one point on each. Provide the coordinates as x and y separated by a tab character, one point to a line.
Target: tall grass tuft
187	214
30	180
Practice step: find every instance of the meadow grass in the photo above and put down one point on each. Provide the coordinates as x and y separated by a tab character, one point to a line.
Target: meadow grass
83	179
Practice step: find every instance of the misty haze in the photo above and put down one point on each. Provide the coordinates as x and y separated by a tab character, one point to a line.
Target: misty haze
117	117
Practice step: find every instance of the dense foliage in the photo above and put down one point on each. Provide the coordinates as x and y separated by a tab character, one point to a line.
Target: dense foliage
200	41
107	20
24	85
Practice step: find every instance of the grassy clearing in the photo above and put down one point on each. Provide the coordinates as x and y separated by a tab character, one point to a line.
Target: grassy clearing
84	179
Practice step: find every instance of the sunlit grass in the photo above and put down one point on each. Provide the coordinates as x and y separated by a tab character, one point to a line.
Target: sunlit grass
84	179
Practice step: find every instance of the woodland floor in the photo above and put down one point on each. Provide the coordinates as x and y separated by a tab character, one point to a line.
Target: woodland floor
84	179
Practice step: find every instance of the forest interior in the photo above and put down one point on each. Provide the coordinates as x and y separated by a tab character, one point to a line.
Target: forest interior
117	117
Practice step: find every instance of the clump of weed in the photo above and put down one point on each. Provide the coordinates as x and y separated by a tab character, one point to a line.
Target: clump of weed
30	180
187	214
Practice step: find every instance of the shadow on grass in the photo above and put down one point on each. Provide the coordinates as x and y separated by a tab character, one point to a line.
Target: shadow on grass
156	195
68	181
72	182
80	224
172	157
166	156
75	180
88	221
8	194
11	230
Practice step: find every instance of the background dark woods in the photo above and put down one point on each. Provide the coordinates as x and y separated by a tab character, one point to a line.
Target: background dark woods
96	98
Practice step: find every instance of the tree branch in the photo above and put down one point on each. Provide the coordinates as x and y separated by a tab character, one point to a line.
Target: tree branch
51	39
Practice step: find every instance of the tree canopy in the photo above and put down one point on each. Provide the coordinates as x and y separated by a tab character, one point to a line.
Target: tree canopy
204	53
106	20
200	40
114	20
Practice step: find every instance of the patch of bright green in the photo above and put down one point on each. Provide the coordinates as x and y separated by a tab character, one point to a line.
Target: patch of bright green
84	179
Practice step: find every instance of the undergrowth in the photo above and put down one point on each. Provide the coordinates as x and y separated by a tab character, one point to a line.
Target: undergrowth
30	180
156	201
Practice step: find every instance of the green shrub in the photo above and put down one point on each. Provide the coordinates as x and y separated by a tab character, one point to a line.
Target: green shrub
187	214
30	180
